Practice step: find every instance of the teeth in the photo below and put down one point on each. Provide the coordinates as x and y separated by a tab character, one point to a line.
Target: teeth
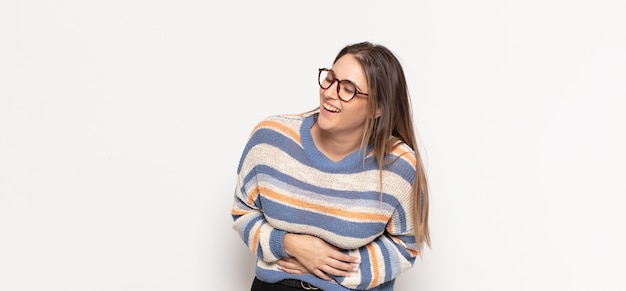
331	108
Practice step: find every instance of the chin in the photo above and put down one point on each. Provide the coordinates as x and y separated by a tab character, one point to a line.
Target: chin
323	123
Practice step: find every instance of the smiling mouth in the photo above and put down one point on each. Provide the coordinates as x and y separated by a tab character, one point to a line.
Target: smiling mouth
331	108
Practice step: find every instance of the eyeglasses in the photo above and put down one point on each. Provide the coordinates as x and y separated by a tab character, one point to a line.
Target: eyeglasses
346	89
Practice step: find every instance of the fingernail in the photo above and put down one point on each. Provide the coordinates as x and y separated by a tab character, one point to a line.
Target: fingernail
279	267
358	261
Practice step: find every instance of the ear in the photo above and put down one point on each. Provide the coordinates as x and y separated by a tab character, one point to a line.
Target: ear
378	112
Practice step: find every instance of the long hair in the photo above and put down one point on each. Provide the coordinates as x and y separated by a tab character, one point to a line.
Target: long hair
387	89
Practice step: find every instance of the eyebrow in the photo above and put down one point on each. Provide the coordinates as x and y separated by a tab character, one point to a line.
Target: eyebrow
357	86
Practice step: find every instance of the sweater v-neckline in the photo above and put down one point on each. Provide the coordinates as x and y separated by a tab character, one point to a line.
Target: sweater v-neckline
318	158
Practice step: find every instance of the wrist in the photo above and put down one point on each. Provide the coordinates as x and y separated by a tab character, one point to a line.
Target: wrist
288	242
276	243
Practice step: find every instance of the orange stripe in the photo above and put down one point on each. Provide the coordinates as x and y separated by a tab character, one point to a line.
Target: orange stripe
404	154
239	211
374	263
280	128
324	209
402	243
252	196
255	240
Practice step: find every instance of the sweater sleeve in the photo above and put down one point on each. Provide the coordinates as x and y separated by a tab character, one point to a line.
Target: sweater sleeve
263	240
387	256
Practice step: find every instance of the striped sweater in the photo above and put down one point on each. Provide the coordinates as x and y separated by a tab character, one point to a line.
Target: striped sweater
286	185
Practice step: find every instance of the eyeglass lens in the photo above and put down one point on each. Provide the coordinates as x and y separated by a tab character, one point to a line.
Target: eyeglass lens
345	89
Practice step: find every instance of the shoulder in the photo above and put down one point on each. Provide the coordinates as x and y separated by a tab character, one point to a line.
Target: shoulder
280	122
274	132
280	126
402	160
402	151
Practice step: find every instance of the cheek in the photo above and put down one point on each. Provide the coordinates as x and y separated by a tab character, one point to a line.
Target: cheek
359	112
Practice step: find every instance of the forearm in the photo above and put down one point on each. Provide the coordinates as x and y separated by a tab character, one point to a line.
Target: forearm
364	268
318	257
263	240
381	261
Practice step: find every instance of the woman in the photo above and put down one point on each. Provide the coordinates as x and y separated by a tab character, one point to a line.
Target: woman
336	198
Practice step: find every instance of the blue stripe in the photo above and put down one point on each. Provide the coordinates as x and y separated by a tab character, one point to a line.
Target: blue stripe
274	253
386	259
366	273
296	151
262	171
248	231
330	223
402	216
295	186
404	169
274	138
248	227
292	185
390	244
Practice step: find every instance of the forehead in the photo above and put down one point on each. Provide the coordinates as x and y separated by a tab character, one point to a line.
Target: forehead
348	68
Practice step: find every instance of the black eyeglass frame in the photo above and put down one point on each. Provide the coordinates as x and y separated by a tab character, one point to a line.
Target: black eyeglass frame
319	81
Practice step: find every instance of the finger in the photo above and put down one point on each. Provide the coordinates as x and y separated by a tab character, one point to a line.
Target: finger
281	263
289	260
284	263
291	271
292	266
344	266
329	270
345	258
285	267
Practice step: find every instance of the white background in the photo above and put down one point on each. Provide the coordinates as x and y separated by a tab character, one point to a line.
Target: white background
122	122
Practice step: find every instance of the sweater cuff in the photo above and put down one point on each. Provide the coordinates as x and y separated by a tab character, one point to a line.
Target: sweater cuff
276	244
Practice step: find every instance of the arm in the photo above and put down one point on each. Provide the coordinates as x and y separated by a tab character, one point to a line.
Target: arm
269	243
382	260
313	255
251	221
262	239
395	250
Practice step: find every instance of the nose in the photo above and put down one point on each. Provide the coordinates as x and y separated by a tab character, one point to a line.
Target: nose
332	91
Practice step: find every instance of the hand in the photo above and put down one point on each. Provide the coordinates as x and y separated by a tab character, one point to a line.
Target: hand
319	257
292	266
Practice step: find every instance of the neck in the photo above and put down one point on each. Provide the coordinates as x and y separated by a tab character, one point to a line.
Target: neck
334	145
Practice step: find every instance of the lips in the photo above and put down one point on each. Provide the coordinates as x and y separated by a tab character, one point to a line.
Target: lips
331	108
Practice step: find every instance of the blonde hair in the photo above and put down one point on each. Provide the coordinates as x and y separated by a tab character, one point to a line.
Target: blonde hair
387	89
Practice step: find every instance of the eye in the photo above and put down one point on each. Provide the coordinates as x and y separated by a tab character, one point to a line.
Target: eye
348	88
